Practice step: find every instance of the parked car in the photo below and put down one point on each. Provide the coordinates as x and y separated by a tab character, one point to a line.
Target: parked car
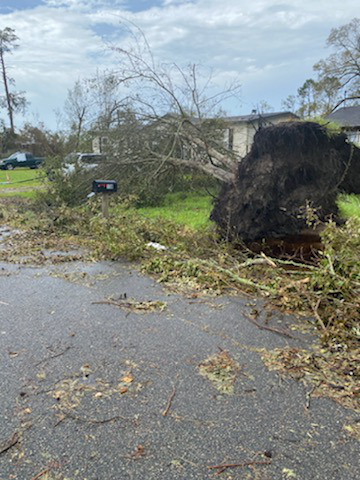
81	161
20	159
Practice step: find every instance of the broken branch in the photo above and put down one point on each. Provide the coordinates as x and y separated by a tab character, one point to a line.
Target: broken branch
271	329
243	281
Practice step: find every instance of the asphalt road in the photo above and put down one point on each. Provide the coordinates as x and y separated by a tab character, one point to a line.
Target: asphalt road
84	386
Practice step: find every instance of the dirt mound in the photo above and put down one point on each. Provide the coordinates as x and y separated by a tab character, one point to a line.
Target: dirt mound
290	166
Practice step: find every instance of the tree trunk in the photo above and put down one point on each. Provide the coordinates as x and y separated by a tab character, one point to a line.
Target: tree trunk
7	93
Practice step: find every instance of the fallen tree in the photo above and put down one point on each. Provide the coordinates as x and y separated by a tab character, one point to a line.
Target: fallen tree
294	171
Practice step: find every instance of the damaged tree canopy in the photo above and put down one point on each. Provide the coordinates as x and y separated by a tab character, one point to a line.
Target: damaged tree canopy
290	166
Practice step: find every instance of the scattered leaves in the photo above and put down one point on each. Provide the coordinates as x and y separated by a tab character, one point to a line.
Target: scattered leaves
353	430
288	473
334	374
221	370
138	452
134	305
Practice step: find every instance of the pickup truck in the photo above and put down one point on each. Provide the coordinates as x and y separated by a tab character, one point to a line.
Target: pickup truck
20	159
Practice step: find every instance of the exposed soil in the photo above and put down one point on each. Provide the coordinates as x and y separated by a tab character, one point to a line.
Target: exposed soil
293	169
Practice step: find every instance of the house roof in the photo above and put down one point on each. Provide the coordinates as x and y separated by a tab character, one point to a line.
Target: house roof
255	117
346	116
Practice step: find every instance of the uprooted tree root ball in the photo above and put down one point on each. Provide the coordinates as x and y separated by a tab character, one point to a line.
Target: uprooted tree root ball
290	167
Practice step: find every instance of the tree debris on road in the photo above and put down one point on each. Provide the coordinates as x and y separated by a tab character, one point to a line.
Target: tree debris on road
134	305
9	443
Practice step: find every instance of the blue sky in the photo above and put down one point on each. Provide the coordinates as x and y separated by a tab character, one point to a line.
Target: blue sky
268	45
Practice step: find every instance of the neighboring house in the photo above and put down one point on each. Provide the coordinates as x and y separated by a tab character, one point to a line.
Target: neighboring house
99	144
349	120
239	136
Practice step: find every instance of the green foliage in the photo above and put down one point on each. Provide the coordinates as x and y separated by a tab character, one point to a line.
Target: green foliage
349	205
7	140
64	189
43	142
332	128
339	273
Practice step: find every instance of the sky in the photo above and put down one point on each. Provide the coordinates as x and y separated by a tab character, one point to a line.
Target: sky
269	46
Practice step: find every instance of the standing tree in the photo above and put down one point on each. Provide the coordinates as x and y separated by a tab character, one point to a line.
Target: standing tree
12	101
77	108
314	98
344	63
338	76
93	105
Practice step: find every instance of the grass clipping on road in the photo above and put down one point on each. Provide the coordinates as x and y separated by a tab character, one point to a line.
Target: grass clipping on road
198	263
221	370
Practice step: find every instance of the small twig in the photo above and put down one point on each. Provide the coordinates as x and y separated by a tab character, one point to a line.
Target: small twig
11	442
331	266
268	260
168	405
224	466
52	356
40	474
316	314
271	329
308	395
112	302
252	261
94	420
306	266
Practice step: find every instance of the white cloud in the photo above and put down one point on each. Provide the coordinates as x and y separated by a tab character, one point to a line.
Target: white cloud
268	44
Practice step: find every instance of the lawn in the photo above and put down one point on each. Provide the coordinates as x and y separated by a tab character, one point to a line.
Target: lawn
193	209
186	208
24	182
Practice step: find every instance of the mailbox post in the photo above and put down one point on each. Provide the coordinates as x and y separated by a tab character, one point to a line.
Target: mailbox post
105	188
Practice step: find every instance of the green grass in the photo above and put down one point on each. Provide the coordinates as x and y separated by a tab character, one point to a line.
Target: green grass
193	209
21	182
190	209
349	205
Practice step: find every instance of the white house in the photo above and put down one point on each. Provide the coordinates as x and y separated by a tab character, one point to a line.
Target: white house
349	120
239	136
